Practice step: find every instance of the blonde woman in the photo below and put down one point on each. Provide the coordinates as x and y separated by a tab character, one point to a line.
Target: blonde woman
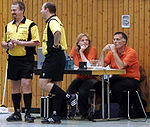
83	51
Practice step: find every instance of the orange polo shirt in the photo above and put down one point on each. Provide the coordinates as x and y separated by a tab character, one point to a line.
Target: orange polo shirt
128	56
92	55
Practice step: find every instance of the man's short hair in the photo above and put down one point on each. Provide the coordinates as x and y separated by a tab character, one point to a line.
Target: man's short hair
124	36
51	7
21	5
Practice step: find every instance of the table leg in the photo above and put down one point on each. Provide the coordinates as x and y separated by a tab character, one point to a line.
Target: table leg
108	97
103	112
108	101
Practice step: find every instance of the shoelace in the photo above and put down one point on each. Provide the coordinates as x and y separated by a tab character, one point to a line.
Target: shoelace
74	102
51	120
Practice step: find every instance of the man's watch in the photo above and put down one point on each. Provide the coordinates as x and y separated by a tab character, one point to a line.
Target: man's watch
7	45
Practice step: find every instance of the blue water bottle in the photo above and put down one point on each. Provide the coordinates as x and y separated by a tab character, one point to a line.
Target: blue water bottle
72	63
67	62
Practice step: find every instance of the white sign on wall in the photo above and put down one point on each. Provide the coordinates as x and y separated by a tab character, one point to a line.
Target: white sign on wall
125	21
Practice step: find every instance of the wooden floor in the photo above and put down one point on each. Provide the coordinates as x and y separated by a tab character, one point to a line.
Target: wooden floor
72	123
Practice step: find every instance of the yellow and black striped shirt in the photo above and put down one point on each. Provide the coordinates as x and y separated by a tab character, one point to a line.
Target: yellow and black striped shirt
53	24
26	31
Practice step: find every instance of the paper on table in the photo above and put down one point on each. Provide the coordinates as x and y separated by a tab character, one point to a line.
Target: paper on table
76	68
100	68
96	68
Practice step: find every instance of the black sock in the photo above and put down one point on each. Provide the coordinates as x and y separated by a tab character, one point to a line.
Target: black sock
58	91
56	104
27	102
16	98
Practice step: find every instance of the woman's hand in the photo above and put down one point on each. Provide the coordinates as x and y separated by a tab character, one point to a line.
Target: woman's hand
83	47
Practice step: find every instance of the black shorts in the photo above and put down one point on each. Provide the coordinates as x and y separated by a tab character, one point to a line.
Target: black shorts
53	66
20	67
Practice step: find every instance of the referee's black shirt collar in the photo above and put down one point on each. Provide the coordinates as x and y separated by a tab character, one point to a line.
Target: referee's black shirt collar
49	18
23	21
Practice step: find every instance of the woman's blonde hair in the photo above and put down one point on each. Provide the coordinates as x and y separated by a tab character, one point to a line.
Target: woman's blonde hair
80	36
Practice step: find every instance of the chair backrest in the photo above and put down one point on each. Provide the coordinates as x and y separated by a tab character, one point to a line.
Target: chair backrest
143	84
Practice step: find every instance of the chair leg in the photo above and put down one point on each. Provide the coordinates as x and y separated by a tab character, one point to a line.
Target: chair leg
129	105
137	93
141	105
92	102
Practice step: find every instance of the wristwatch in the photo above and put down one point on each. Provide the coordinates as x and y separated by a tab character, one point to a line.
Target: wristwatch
7	45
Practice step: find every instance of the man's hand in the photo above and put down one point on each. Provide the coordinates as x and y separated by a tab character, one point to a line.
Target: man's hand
57	38
17	42
10	45
56	46
112	47
107	47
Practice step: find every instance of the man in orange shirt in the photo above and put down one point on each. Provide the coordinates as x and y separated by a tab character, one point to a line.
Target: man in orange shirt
120	56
